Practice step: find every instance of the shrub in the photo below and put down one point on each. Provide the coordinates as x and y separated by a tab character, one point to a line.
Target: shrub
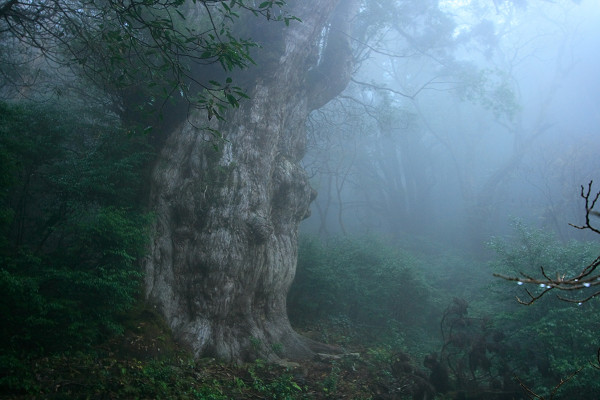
556	338
71	230
360	279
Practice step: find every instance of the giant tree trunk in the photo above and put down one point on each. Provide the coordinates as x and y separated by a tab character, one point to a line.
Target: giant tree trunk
225	242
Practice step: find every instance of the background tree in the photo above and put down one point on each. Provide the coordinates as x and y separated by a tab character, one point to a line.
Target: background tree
468	123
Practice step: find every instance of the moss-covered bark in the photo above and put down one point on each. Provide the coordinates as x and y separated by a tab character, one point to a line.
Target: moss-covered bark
225	242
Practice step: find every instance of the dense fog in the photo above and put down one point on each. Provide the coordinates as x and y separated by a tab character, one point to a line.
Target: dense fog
303	199
464	125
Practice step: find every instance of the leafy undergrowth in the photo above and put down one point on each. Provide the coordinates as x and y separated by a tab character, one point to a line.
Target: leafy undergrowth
145	363
110	377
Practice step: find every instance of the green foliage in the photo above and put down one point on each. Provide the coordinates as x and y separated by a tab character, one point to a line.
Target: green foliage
556	338
531	249
141	53
93	376
491	88
282	386
362	280
71	230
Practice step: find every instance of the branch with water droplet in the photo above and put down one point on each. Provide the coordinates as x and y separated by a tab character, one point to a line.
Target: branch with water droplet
587	278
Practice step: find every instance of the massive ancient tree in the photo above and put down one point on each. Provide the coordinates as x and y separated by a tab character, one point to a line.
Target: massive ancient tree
223	252
224	247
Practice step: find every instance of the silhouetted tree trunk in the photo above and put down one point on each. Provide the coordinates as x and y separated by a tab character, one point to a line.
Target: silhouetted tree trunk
225	242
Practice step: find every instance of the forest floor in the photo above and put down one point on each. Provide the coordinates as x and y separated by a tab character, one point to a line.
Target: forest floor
145	363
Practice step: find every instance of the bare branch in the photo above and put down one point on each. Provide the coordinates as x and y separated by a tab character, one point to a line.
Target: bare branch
528	392
563	381
587	278
384	88
588	209
596	364
532	395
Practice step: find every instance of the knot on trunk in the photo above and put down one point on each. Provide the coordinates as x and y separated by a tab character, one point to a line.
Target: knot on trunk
259	229
292	194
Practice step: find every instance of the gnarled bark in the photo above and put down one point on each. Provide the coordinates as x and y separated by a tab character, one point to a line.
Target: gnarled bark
225	241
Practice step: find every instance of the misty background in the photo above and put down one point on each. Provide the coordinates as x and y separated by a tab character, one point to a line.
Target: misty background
145	207
454	127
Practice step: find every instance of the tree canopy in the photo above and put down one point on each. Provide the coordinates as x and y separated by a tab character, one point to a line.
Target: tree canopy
140	53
